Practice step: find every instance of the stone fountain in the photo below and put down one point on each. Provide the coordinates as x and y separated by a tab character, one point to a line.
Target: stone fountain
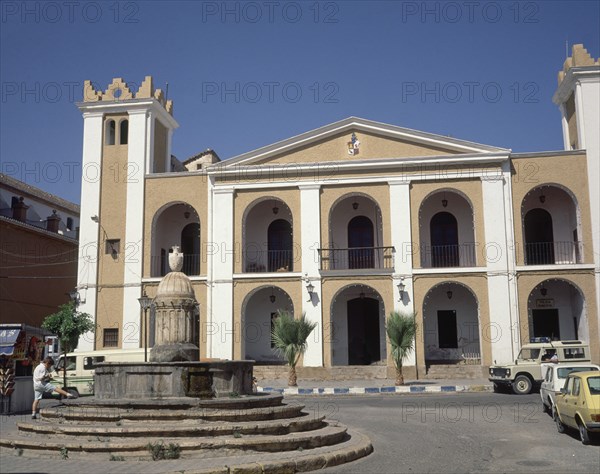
205	412
174	369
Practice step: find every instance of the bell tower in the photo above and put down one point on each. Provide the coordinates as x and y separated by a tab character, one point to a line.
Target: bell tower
578	97
127	135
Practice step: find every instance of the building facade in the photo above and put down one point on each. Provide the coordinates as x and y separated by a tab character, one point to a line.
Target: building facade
38	252
346	223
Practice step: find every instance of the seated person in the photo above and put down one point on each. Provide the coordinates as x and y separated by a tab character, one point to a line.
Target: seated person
550	356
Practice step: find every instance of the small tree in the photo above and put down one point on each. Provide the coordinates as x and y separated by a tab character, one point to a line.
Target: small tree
401	330
68	324
289	336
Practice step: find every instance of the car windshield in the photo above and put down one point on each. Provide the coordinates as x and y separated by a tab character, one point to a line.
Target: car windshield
526	354
564	371
594	385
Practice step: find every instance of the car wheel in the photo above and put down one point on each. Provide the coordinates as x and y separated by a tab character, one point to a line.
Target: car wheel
546	408
522	385
559	424
497	387
583	433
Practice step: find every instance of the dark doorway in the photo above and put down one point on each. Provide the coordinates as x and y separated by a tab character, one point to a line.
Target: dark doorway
545	323
539	238
447	331
363	331
360	242
443	229
279	245
190	246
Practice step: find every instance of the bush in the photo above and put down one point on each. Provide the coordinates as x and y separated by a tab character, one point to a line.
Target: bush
159	451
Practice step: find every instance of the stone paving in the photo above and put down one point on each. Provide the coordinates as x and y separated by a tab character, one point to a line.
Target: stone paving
10	461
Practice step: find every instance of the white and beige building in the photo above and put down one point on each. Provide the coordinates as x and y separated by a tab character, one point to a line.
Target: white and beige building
488	247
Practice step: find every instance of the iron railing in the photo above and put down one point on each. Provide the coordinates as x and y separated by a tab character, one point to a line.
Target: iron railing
262	261
159	265
357	258
444	256
553	253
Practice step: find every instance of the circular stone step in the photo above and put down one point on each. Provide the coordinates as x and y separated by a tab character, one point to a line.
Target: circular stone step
182	429
324	436
91	413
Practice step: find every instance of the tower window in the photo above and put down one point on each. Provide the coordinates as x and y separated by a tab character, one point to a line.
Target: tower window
112	247
124	130
110	132
69	223
110	338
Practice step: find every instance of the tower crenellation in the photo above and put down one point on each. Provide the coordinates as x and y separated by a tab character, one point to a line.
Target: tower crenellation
119	90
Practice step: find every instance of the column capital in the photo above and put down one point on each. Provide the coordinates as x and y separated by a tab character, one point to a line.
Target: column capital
399	182
310	186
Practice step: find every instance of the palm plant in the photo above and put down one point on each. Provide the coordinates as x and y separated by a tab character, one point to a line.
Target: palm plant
289	337
401	330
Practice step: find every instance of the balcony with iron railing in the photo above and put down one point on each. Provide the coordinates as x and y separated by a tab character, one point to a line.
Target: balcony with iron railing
269	261
553	253
159	265
448	256
376	258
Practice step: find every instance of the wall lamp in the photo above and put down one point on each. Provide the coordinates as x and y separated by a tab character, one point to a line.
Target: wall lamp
310	288
401	288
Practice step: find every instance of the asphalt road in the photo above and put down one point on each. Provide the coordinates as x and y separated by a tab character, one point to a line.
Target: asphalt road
469	432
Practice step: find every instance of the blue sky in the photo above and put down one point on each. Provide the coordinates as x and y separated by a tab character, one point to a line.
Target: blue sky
246	74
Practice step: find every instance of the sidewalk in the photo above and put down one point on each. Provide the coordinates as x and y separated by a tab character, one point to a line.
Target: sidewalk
361	387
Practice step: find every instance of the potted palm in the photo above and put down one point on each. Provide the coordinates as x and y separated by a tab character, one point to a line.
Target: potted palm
401	330
289	337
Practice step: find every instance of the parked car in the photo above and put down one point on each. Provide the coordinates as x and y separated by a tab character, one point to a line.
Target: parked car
526	373
578	404
554	380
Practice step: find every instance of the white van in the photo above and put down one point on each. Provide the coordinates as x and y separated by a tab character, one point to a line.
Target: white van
80	367
554	380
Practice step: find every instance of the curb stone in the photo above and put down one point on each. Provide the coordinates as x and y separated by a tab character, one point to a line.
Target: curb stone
412	389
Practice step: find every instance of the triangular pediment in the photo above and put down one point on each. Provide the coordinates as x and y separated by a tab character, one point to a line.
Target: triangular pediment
355	139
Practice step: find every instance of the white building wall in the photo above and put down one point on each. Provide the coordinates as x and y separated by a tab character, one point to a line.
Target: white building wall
310	217
87	271
402	241
222	253
138	149
497	255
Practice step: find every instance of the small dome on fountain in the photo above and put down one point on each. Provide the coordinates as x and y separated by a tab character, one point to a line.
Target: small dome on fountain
175	285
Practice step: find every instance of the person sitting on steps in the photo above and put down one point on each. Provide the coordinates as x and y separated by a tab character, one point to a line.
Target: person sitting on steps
41	384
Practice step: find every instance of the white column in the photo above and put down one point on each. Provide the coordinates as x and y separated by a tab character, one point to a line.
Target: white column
87	272
580	114
132	251
497	252
588	119
168	153
150	142
565	127
310	219
220	326
402	241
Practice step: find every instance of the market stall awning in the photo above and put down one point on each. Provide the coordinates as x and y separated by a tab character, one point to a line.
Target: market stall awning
11	340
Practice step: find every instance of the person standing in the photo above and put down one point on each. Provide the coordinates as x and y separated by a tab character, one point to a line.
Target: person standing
41	384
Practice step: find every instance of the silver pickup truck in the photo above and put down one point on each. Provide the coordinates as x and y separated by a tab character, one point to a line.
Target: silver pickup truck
526	373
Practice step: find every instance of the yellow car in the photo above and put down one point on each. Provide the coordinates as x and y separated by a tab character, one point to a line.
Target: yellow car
578	404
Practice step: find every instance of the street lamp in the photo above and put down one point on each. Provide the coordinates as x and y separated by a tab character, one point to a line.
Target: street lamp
145	303
74	296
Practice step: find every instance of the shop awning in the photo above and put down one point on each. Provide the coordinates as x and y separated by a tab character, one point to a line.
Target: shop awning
11	339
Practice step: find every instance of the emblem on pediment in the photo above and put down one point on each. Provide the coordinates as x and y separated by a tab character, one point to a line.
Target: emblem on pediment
353	145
